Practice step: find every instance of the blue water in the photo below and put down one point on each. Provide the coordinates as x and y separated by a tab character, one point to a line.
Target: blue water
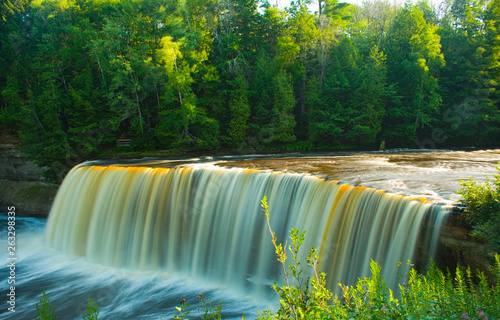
120	294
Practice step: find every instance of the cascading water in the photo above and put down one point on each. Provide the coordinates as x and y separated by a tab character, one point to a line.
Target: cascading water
207	223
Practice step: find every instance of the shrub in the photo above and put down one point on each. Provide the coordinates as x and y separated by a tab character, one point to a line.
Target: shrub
430	296
483	207
310	299
210	311
92	311
46	310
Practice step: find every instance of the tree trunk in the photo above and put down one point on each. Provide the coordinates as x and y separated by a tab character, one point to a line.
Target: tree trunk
138	107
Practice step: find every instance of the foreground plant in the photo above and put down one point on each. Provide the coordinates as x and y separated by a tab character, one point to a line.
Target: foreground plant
430	296
181	310
207	310
310	299
210	312
92	311
46	309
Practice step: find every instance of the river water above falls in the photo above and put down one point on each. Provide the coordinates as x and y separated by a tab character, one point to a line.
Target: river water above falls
139	240
434	174
431	173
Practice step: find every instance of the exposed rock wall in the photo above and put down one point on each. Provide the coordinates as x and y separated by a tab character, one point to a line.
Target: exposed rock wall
30	198
13	162
22	184
457	246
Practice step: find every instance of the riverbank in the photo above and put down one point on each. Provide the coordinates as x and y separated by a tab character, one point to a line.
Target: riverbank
22	183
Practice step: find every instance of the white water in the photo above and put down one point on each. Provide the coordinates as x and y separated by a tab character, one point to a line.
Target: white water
208	225
119	293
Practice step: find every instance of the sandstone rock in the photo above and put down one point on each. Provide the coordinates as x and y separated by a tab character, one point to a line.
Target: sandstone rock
22	183
33	198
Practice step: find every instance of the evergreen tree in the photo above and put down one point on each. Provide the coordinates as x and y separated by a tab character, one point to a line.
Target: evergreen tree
469	110
414	58
367	101
77	76
284	101
491	116
240	111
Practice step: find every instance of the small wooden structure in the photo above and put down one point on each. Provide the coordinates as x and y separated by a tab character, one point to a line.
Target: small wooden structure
123	141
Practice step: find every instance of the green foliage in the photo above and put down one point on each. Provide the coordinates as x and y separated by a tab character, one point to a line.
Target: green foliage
183	313
76	76
92	311
348	107
284	101
307	299
414	48
369	298
483	208
326	121
468	93
209	311
45	309
206	309
430	296
240	110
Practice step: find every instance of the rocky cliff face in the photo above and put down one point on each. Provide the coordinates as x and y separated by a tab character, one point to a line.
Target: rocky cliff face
457	246
22	184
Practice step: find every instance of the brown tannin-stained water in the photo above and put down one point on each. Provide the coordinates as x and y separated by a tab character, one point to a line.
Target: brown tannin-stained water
434	174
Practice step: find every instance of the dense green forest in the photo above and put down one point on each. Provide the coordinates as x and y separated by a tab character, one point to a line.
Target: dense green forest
77	75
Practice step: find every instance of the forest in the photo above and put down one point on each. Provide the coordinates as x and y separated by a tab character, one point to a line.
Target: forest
83	78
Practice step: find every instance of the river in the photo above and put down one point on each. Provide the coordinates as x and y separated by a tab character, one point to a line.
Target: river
130	294
434	173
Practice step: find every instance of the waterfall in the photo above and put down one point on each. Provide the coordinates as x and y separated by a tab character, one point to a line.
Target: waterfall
208	224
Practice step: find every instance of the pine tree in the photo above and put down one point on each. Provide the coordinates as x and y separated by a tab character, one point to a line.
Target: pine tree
284	101
413	59
240	111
